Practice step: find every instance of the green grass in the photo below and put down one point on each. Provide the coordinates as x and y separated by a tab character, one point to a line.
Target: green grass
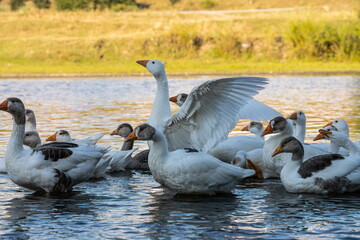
45	42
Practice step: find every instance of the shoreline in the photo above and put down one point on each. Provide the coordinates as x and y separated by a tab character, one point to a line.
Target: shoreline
96	75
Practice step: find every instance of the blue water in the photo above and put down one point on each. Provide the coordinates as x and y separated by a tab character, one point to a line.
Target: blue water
131	205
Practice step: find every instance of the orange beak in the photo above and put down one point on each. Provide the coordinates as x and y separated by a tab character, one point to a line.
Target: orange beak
319	136
51	138
115	132
293	116
267	130
173	99
329	124
323	134
277	151
246	128
131	137
4	105
142	62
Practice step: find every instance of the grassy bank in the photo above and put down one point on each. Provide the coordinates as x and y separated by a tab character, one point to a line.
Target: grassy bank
45	42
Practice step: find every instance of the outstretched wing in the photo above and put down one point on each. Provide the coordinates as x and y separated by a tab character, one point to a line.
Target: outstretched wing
210	112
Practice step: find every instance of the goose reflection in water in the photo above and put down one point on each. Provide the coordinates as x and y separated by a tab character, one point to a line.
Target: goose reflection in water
37	214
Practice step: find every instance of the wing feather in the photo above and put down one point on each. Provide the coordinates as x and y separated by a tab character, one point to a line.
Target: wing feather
210	112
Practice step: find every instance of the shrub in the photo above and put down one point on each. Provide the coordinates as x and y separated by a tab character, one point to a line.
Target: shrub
71	4
42	3
16	4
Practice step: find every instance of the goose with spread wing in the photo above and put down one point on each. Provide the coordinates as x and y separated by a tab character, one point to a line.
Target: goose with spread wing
209	113
54	167
187	171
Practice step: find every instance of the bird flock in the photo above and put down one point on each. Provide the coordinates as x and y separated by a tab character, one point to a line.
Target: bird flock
190	151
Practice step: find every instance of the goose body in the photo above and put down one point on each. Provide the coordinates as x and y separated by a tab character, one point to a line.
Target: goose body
209	113
187	171
321	174
227	149
54	167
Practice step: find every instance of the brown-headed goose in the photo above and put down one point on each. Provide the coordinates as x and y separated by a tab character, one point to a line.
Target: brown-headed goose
187	171
320	174
209	113
140	160
54	167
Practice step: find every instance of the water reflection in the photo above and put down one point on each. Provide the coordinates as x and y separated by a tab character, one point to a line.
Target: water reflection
39	215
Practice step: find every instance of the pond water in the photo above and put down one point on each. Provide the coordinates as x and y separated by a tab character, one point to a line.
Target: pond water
131	205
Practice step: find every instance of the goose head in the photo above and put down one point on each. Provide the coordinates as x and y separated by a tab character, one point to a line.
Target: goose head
331	133
142	132
253	127
60	136
32	139
290	145
123	130
341	125
30	116
276	125
298	117
179	99
16	108
155	67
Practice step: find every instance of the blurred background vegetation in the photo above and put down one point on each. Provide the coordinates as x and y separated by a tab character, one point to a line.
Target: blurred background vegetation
193	36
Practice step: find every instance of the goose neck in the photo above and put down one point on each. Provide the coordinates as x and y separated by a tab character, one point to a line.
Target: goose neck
161	106
16	139
300	132
159	148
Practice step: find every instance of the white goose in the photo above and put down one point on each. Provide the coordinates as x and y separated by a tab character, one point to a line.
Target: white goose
64	136
274	164
187	171
320	174
209	113
299	120
55	167
342	140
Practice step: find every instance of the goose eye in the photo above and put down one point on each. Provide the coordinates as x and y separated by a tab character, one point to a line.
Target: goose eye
300	113
153	62
336	121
